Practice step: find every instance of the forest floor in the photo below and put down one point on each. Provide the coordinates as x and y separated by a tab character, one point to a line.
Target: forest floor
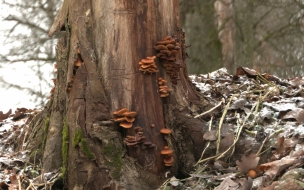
255	129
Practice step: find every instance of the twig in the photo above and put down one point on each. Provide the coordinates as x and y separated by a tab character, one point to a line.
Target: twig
19	182
209	129
212	109
218	156
221	123
238	133
267	138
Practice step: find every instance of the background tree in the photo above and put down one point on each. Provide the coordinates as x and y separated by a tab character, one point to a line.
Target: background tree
98	73
198	19
26	25
267	35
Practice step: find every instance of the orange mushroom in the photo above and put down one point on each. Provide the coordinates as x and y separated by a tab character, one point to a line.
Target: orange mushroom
120	112
126	124
165	131
168	159
129	119
166	151
252	173
129	114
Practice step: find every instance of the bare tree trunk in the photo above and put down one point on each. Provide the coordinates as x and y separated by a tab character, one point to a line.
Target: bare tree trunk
108	39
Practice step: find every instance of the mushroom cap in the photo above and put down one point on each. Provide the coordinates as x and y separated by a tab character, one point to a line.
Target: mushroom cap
152	125
153	57
166	151
129	119
145	66
147	61
165	42
120	112
119	119
160	47
165	131
78	63
126	124
170	46
169	164
129	114
137	128
252	173
167	38
164	95
168	159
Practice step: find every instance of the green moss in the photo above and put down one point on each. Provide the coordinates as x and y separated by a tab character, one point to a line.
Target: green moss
77	137
64	150
85	149
114	156
46	124
45	129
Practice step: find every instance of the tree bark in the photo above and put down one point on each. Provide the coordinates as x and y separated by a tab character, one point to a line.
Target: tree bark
109	38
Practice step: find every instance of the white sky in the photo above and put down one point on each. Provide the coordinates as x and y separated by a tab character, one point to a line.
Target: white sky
19	74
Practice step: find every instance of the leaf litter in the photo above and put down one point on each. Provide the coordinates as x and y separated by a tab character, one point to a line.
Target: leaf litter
16	170
256	133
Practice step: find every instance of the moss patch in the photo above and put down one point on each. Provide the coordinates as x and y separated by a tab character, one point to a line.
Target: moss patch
45	129
114	159
64	150
85	149
77	137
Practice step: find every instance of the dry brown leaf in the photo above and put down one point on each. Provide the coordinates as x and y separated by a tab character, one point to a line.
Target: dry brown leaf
272	186
251	73
296	113
281	150
274	168
247	163
210	135
297	81
4	116
227	184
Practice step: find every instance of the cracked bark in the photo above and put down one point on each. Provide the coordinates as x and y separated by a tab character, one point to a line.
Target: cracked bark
113	36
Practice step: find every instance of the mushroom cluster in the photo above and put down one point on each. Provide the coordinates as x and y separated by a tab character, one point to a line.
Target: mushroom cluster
77	64
134	141
167	50
124	117
148	144
163	88
165	131
168	156
148	65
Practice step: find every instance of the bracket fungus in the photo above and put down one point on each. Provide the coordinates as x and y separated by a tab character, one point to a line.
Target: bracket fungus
165	131
167	50
163	88
124	117
168	160
134	141
77	63
148	65
166	151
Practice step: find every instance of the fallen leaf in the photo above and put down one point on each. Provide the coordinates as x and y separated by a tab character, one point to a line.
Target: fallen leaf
296	114
227	184
281	150
210	135
247	163
5	116
274	168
